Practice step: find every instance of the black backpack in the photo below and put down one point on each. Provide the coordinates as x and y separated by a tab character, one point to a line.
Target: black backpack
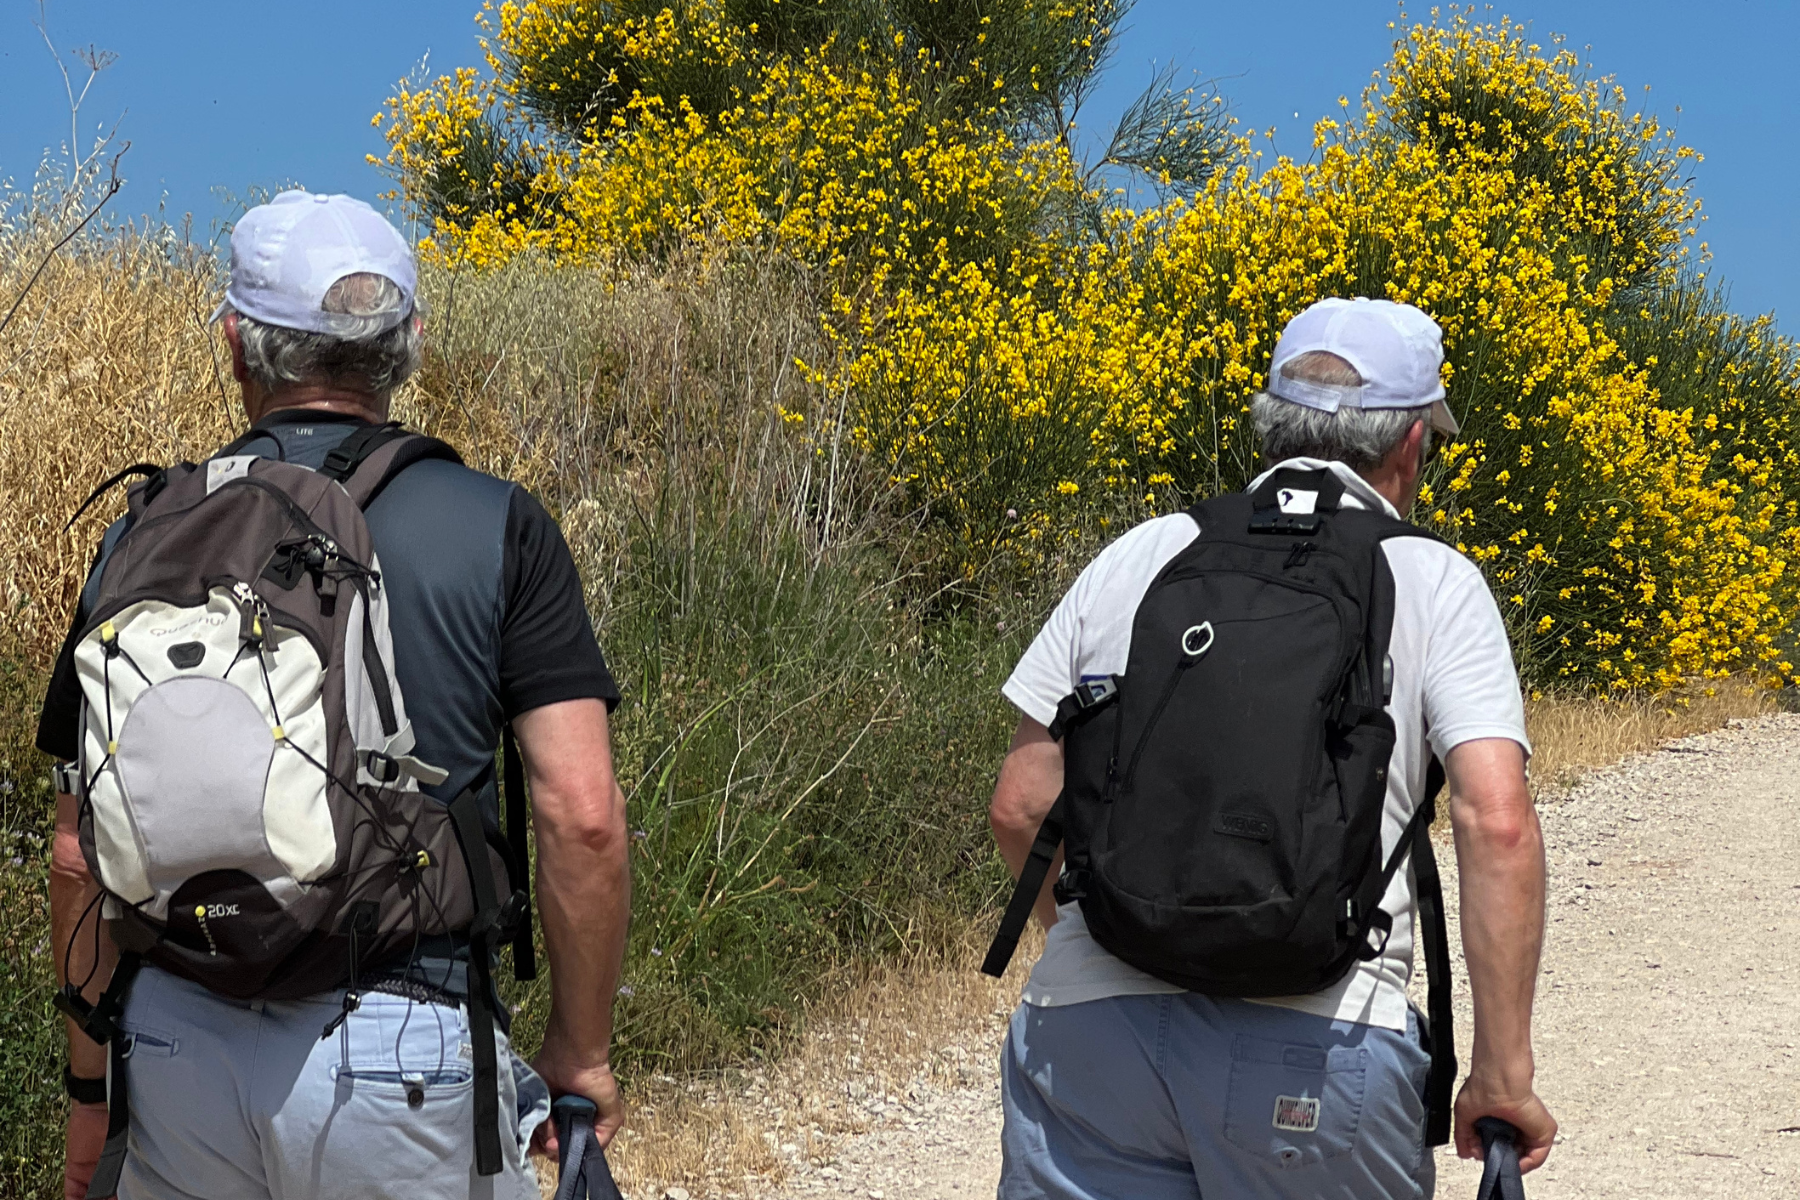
1222	800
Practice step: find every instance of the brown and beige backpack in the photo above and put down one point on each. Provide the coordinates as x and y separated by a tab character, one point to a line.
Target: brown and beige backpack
249	796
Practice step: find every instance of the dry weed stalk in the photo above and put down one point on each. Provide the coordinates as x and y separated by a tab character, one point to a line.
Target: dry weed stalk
106	364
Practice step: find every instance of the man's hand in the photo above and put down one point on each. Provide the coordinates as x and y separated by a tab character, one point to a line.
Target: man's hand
82	1144
1500	866
1484	1097
567	1076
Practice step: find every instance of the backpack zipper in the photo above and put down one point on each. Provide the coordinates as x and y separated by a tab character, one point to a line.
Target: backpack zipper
1156	713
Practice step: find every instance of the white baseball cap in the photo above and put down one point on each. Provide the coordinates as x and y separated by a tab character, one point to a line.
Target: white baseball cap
286	254
1394	347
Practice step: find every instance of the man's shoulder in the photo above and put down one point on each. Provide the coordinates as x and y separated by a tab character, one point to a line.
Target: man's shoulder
1424	554
1131	560
1157	538
442	481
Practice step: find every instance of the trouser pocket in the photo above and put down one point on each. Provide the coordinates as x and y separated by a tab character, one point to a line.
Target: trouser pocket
1295	1104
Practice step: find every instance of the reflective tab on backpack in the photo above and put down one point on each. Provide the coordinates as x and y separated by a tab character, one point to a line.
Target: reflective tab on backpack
1297	500
221	471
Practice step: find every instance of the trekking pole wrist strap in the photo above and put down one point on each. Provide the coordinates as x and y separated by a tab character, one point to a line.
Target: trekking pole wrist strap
84	1091
1500	1175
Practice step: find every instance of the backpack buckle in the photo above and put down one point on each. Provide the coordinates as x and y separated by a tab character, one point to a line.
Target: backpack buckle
501	921
98	1021
1379	921
66	779
1089	695
1071	885
382	768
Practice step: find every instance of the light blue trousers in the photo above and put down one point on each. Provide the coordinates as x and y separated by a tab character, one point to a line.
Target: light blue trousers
237	1101
1179	1097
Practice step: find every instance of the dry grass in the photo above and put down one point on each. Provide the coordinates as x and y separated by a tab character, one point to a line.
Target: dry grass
630	400
1573	735
109	362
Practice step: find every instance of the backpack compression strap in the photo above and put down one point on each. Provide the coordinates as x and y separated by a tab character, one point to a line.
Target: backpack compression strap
467	821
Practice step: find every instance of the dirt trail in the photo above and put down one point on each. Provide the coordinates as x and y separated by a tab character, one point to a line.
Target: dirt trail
1668	1028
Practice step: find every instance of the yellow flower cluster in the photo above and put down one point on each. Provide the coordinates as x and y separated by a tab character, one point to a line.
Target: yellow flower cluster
1625	476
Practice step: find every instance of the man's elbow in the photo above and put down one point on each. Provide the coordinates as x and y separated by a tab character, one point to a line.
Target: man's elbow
1008	815
594	824
1506	827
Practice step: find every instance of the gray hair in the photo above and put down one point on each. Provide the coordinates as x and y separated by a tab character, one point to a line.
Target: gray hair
1357	437
362	354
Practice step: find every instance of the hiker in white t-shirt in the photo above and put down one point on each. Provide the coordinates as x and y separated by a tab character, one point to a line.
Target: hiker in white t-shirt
1119	1084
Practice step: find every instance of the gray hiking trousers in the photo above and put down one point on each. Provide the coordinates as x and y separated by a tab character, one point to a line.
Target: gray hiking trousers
236	1100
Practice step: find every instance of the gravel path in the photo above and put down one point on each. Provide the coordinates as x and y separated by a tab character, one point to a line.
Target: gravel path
1668	1029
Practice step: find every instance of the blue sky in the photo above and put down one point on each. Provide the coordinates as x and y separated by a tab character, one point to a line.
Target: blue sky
216	98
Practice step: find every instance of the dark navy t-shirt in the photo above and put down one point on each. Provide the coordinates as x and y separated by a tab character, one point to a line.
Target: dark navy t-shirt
484	604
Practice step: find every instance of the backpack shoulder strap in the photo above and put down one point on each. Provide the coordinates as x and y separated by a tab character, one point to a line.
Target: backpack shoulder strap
136	470
367	460
1441	1017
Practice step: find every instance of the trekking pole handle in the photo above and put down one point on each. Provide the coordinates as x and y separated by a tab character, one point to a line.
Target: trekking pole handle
582	1173
1500	1177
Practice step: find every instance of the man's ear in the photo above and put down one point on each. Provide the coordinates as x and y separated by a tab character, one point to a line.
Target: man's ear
235	339
1407	456
1416	439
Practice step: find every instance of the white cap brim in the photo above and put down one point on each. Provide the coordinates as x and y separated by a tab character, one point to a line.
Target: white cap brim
1443	420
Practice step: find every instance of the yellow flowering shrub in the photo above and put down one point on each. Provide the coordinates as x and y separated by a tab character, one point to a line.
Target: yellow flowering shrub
1029	359
630	126
1631	541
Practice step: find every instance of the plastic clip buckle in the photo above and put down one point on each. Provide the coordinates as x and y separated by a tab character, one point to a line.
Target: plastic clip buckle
98	1021
381	767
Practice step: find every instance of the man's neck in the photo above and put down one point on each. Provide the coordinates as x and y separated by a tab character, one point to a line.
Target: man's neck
1392	488
318	398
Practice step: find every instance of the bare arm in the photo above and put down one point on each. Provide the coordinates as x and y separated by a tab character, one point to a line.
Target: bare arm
1500	865
71	890
584	896
1030	779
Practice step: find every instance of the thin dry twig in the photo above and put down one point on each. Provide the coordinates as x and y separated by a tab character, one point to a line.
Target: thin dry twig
113	184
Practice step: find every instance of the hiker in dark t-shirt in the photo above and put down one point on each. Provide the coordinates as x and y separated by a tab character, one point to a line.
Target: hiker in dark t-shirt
489	627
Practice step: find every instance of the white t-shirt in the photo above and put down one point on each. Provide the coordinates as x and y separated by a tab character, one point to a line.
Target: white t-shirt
1454	682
